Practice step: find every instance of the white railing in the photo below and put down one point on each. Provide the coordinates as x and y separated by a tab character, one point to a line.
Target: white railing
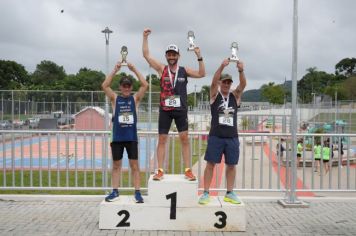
72	160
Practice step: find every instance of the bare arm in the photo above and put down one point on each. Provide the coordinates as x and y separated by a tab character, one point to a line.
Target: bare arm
107	83
240	88
216	80
146	53
201	72
143	84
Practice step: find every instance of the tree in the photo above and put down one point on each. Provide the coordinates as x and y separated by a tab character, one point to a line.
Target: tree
336	89
314	82
205	92
13	75
346	67
273	93
155	84
89	80
48	75
349	86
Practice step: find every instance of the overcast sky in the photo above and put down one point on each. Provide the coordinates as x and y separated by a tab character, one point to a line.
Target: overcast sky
36	30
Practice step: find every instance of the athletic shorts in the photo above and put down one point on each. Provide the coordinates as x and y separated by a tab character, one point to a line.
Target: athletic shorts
165	118
299	155
117	150
230	147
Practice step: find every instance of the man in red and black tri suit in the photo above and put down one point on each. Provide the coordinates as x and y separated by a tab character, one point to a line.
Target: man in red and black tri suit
173	101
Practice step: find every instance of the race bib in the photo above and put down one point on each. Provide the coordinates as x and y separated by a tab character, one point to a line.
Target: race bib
227	119
126	118
173	101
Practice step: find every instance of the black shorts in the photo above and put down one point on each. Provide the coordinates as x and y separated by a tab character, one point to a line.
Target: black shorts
299	155
117	150
180	117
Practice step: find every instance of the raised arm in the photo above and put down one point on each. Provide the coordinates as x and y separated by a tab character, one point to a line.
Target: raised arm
240	88
215	82
146	53
197	73
143	84
107	83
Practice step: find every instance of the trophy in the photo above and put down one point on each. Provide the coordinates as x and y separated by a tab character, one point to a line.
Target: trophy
191	38
124	53
234	48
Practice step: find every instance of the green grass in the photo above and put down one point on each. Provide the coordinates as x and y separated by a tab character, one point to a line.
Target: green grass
330	117
60	181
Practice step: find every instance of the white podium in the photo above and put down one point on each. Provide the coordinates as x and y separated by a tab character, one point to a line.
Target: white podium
172	204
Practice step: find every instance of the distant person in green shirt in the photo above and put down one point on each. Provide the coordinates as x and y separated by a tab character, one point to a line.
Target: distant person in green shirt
317	155
327	153
299	151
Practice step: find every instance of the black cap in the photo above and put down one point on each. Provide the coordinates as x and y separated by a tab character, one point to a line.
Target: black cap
125	80
225	77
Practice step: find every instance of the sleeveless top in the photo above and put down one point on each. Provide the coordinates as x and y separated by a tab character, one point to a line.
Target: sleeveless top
317	151
326	153
299	148
125	120
224	117
175	93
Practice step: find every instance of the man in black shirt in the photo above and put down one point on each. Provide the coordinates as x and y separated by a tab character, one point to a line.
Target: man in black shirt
223	137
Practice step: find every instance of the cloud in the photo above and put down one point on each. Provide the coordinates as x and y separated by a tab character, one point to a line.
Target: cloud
32	31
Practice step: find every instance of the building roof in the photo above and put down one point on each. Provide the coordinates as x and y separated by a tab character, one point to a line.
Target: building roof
96	108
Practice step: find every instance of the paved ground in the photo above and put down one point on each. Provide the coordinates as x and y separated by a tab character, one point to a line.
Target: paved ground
78	215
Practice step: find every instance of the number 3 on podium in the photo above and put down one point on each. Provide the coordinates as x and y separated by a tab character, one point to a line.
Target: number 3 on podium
172	215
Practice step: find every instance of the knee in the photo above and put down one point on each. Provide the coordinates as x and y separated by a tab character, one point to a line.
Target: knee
210	166
230	167
162	140
134	167
116	166
184	139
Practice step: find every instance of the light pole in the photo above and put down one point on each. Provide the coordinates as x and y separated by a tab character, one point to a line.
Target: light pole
150	103
2	107
291	196
195	97
313	107
335	129
107	33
